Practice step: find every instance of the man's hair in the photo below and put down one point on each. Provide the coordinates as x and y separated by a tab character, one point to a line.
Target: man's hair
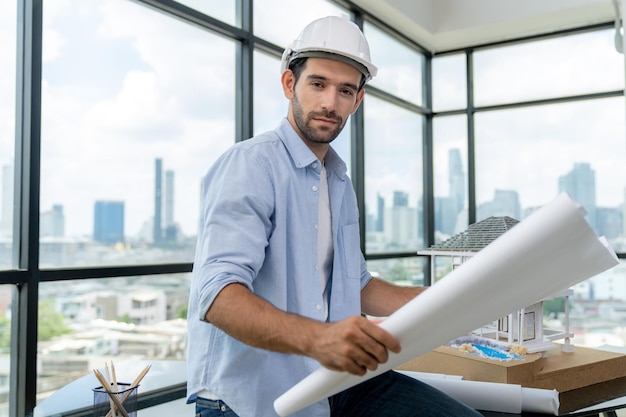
299	64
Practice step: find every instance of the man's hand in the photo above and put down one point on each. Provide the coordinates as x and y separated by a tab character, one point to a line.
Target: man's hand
353	345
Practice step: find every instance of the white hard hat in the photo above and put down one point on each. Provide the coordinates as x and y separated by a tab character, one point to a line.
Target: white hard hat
332	37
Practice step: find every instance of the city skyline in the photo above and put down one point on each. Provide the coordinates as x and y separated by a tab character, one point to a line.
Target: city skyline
108	221
450	211
579	182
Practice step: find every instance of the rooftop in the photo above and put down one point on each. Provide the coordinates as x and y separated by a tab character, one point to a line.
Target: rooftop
477	235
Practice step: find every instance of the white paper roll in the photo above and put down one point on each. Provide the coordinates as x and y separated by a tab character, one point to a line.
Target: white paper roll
536	400
492	396
547	252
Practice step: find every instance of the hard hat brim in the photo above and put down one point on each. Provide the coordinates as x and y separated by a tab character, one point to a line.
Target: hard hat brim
337	57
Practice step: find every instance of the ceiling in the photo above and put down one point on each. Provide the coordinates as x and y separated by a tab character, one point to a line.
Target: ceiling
441	25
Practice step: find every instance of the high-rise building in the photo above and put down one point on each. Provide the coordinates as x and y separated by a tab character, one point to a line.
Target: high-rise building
52	222
108	225
400	199
447	209
158	201
170	230
504	203
401	223
456	177
380	213
580	184
169	198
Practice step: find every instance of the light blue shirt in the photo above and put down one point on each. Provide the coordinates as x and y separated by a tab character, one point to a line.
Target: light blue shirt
258	228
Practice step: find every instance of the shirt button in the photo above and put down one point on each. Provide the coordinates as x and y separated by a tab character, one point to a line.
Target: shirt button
318	307
314	188
315	227
224	408
314	164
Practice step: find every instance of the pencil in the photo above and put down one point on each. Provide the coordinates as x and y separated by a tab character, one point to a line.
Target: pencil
112	395
133	385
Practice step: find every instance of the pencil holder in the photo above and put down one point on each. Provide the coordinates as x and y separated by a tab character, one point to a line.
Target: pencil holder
103	404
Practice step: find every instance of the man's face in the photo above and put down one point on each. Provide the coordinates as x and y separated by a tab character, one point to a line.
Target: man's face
323	98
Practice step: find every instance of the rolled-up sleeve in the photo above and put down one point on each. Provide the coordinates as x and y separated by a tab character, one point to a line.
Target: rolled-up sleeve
237	195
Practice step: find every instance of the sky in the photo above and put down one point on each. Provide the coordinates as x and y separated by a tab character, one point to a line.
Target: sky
122	87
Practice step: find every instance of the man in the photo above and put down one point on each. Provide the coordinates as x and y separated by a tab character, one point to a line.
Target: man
279	281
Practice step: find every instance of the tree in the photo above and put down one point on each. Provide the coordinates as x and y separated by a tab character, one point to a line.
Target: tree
5	334
51	322
182	313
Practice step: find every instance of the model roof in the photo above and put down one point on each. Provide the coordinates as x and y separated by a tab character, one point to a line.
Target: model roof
477	235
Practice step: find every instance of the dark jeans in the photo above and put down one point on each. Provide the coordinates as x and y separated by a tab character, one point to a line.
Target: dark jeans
388	395
396	395
210	408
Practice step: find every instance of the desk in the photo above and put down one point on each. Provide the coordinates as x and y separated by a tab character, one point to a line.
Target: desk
164	383
608	409
162	393
605	409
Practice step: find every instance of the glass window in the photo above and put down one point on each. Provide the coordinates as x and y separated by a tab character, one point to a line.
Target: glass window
563	66
270	105
7	297
450	175
400	68
86	323
393	178
400	271
449	82
597	310
8	41
135	108
525	157
280	22
224	10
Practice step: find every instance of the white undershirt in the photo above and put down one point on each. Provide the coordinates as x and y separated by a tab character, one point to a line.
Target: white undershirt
324	238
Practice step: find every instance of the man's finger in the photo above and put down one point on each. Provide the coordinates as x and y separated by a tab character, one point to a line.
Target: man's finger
383	337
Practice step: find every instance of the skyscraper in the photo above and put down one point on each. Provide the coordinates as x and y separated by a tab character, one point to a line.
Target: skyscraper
108	224
158	200
401	223
504	203
580	184
447	209
170	227
456	176
169	198
380	213
52	222
400	199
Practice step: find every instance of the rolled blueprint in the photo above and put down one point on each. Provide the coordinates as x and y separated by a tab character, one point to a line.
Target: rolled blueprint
549	251
493	396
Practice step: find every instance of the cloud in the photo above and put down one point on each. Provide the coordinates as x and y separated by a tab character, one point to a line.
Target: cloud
172	99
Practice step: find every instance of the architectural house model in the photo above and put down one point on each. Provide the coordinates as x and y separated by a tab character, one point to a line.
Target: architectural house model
523	327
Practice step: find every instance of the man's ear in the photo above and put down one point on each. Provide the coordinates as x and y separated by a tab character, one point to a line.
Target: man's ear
359	99
288	81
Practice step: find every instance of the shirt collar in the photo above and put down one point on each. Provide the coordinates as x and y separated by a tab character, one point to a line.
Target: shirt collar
302	155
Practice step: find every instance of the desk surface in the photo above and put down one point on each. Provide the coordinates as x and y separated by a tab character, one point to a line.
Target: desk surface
607	406
76	398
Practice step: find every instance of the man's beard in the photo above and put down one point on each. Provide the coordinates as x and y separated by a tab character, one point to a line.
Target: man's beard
321	135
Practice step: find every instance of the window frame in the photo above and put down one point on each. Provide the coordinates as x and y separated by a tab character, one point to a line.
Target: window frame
28	275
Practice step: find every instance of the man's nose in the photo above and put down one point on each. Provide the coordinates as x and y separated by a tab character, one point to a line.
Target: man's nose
329	99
